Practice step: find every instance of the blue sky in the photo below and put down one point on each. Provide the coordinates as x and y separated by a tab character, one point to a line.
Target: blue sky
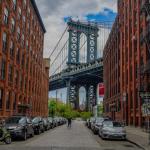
105	16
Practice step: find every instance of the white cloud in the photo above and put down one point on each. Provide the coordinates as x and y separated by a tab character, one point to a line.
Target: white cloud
53	12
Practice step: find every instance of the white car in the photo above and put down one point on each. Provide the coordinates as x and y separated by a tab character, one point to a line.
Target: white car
112	130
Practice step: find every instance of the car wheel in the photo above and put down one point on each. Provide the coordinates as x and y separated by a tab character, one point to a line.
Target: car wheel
38	131
102	137
32	134
99	134
25	135
42	130
7	140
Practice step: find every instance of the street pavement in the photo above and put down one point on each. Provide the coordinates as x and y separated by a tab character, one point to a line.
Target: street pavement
62	138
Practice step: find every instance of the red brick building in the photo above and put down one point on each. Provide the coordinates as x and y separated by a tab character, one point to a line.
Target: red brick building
23	71
112	98
133	45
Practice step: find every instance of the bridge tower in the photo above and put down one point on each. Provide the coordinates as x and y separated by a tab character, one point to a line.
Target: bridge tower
75	29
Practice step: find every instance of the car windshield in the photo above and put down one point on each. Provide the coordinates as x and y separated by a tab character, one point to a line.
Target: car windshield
15	120
99	119
111	124
117	124
50	119
35	120
92	119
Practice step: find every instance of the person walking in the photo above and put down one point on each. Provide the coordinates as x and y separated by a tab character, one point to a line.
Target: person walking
69	122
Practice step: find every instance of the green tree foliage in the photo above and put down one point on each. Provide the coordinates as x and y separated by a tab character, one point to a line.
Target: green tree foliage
85	115
60	109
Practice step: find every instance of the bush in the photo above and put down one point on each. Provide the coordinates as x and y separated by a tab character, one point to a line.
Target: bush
85	115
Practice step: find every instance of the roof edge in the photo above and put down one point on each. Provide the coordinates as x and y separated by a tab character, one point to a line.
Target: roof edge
38	15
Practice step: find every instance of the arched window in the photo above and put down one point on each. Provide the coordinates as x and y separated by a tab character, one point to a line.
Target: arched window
14	4
4	42
19	13
18	33
22	39
5	15
12	25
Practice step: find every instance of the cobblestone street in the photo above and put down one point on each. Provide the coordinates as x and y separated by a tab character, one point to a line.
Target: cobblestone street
63	138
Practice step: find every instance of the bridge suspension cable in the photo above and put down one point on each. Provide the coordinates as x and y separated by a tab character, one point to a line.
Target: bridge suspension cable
58	42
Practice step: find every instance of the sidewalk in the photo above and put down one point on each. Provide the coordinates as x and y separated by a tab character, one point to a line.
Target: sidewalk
136	135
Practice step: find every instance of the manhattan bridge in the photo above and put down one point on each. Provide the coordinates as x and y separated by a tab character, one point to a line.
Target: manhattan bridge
76	60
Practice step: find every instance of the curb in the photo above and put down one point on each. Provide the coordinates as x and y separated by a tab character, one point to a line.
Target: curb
138	145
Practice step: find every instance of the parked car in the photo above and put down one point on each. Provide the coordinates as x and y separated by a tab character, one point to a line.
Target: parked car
38	125
19	126
51	121
47	125
97	124
112	130
90	121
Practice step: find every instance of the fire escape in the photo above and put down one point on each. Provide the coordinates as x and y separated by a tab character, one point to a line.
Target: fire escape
145	39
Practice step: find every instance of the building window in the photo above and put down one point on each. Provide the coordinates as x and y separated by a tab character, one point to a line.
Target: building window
18	56
24	4
15	102
18	33
136	98
3	69
136	70
28	14
4	42
28	28
24	21
131	100
14	4
8	100
16	77
19	13
130	73
27	45
12	25
11	49
1	98
22	40
10	73
5	16
23	60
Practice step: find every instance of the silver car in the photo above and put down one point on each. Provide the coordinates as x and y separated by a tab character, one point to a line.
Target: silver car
112	130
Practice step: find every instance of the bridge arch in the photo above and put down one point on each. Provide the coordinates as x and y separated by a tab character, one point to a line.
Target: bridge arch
75	30
82	98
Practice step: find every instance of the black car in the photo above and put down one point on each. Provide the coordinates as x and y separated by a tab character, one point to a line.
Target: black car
47	124
19	126
38	125
51	121
98	123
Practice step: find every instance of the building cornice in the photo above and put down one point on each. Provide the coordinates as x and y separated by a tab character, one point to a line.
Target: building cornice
38	15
